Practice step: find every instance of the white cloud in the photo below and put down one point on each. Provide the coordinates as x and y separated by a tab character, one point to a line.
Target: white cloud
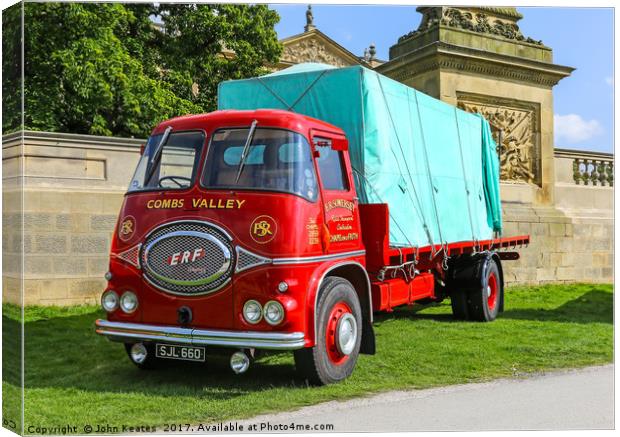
609	80
572	128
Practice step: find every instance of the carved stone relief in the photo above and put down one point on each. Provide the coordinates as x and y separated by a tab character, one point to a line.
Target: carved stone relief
311	50
519	150
472	20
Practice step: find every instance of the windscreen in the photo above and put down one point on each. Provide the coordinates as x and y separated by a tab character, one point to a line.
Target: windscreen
275	160
171	165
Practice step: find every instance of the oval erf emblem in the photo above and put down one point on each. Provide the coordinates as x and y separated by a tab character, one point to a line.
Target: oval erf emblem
263	229
127	228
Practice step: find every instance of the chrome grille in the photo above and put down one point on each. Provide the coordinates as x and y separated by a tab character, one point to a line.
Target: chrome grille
131	256
188	258
247	260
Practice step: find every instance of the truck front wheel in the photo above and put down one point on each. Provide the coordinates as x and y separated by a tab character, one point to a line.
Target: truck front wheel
338	336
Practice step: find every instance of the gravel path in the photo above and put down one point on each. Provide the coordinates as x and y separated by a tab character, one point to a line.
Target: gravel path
575	399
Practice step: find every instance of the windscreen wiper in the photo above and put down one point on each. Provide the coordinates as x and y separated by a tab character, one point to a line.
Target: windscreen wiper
157	154
246	148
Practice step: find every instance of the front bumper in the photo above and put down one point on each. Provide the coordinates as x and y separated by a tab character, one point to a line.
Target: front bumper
136	332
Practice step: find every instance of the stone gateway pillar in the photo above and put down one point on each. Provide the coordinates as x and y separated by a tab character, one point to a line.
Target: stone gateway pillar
478	59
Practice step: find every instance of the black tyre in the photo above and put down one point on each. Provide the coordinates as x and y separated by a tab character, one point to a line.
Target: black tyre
338	336
460	304
149	361
485	300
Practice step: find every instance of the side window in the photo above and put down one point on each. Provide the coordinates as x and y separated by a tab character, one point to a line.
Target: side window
331	166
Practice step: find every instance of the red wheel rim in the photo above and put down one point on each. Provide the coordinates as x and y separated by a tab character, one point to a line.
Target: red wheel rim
492	291
335	356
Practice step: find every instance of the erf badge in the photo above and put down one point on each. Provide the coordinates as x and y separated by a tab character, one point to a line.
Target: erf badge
127	228
263	229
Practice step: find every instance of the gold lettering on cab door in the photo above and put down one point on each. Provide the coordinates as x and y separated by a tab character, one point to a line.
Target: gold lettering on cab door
195	203
313	231
339	203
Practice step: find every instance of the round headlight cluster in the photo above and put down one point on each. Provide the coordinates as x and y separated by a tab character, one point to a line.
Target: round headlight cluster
109	301
129	302
273	312
252	312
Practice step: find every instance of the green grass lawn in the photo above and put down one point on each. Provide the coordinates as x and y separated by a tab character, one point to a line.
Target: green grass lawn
76	377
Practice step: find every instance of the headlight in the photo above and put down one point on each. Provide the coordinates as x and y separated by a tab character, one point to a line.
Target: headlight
282	287
129	302
109	301
252	312
273	312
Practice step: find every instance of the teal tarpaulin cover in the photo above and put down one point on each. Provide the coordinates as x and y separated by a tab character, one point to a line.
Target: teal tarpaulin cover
433	164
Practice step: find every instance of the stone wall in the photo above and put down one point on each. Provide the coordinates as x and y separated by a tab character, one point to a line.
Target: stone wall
73	186
574	240
67	202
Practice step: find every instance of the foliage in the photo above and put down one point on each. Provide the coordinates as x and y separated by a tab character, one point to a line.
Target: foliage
196	36
11	67
107	69
75	377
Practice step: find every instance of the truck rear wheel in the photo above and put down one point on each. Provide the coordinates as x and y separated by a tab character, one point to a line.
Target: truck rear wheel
460	304
338	336
484	302
476	289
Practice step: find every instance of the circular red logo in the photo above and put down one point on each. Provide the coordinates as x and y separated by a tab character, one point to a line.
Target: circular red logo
127	228
263	229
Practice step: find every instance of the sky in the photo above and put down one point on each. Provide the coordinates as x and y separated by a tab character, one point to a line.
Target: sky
580	37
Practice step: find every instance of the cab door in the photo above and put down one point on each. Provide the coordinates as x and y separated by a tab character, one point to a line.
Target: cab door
340	204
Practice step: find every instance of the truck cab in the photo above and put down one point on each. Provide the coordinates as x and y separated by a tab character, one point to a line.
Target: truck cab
241	230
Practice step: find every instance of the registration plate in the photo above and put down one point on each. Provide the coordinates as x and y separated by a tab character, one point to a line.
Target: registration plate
176	352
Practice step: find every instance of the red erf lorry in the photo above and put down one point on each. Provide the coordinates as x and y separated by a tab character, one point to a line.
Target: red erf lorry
223	245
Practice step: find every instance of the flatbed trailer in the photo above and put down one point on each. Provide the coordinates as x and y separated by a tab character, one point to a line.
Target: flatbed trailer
403	275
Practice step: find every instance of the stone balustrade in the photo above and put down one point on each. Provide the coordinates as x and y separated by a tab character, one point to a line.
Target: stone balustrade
590	168
584	181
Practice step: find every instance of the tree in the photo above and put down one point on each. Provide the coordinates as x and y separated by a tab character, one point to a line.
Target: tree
106	69
206	44
12	67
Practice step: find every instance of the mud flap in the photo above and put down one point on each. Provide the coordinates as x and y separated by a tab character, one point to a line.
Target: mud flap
498	261
368	345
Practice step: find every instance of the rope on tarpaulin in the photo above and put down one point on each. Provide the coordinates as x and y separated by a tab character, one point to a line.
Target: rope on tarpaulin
367	182
406	267
465	185
301	96
430	181
402	152
273	93
287	106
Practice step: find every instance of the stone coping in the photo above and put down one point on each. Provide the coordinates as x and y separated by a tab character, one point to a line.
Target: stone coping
570	153
69	140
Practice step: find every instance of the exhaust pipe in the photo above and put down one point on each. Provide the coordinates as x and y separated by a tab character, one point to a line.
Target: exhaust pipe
239	362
